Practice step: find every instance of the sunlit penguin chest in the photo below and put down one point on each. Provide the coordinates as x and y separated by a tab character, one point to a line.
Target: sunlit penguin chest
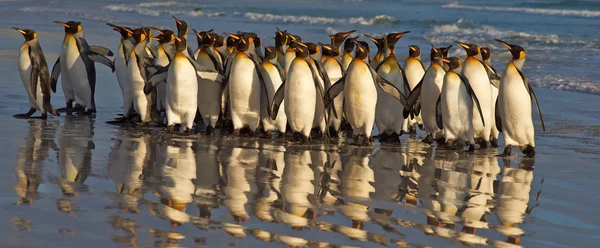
182	72
476	73
414	71
72	65
457	103
333	69
135	76
25	67
162	58
300	91
243	76
361	93
392	72
203	59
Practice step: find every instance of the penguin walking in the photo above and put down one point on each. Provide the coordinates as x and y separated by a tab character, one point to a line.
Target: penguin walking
34	75
164	54
414	71
76	64
334	70
476	72
513	109
274	78
359	85
388	117
454	107
380	55
300	93
139	61
123	51
243	90
425	94
486	57
209	93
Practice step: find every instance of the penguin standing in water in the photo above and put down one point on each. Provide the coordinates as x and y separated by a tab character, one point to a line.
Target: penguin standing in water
245	87
164	54
426	93
380	55
123	51
513	109
414	71
486	57
76	64
139	61
388	116
454	107
477	74
360	95
34	75
334	70
274	78
300	93
209	93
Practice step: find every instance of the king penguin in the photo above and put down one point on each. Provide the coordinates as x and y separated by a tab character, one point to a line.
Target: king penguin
281	45
347	55
414	71
139	61
182	31
290	52
334	70
486	57
444	51
454	107
513	110
320	120
359	85
76	64
209	93
337	40
274	77
34	75
388	116
300	93
475	71
123	51
165	53
380	55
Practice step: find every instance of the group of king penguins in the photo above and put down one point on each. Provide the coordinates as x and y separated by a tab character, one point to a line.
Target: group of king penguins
309	89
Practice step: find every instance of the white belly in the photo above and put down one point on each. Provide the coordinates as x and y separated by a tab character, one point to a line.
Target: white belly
25	71
360	98
457	109
480	83
515	109
179	172
288	58
76	86
388	115
244	93
273	82
334	71
300	97
430	91
209	94
136	84
182	92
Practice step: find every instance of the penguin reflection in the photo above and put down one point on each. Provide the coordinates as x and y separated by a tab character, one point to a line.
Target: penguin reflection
357	178
209	182
268	178
240	165
129	156
387	164
30	160
297	186
453	185
75	154
410	172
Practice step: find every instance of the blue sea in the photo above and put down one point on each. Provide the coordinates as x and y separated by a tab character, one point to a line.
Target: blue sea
76	181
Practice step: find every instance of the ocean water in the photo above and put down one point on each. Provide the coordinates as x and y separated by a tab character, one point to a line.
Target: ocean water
75	181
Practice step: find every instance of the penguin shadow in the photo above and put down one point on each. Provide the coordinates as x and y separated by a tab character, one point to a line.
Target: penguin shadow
32	155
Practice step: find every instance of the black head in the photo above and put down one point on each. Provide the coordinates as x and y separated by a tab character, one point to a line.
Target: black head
182	27
180	43
392	39
301	49
71	27
329	50
365	45
361	51
164	35
231	42
435	53
27	33
270	52
414	51
517	51
205	38
139	34
338	39
471	49
445	50
243	41
349	45
453	62
281	38
292	38
219	40
125	32
485	53
379	42
312	48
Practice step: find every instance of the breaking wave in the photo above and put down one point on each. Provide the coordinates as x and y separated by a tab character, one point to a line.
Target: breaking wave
270	18
554	12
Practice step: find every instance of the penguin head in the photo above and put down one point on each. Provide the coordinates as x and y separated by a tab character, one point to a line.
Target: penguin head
379	42
517	52
219	40
329	50
301	49
445	50
366	46
182	27
139	35
349	45
270	52
392	39
205	38
180	43
292	38
71	27
231	43
27	33
485	53
243	41
281	38
338	39
454	63
435	53
312	48
255	39
361	51
164	35
471	49
125	32
414	51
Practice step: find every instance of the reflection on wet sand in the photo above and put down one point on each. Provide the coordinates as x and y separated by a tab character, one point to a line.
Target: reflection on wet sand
280	192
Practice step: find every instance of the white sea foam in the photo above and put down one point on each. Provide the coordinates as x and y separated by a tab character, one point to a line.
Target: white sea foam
270	18
557	12
577	84
157	9
160	4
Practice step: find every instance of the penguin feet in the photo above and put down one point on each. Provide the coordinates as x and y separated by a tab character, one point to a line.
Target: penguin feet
420	126
471	147
333	133
528	150
453	145
507	152
26	115
209	130
412	130
483	144
170	129
268	134
188	131
362	140
143	125
494	142
389	138
246	132
428	139
78	108
441	141
298	137
89	112
316	132
227	126
236	132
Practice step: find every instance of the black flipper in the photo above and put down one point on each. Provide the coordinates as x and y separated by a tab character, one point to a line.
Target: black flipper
322	73
492	74
413	98
101	50
33	79
277	100
280	70
472	94
332	93
532	95
158	74
498	118
153	50
205	72
88	62
54	75
38	64
99	58
388	87
438	113
218	66
319	88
